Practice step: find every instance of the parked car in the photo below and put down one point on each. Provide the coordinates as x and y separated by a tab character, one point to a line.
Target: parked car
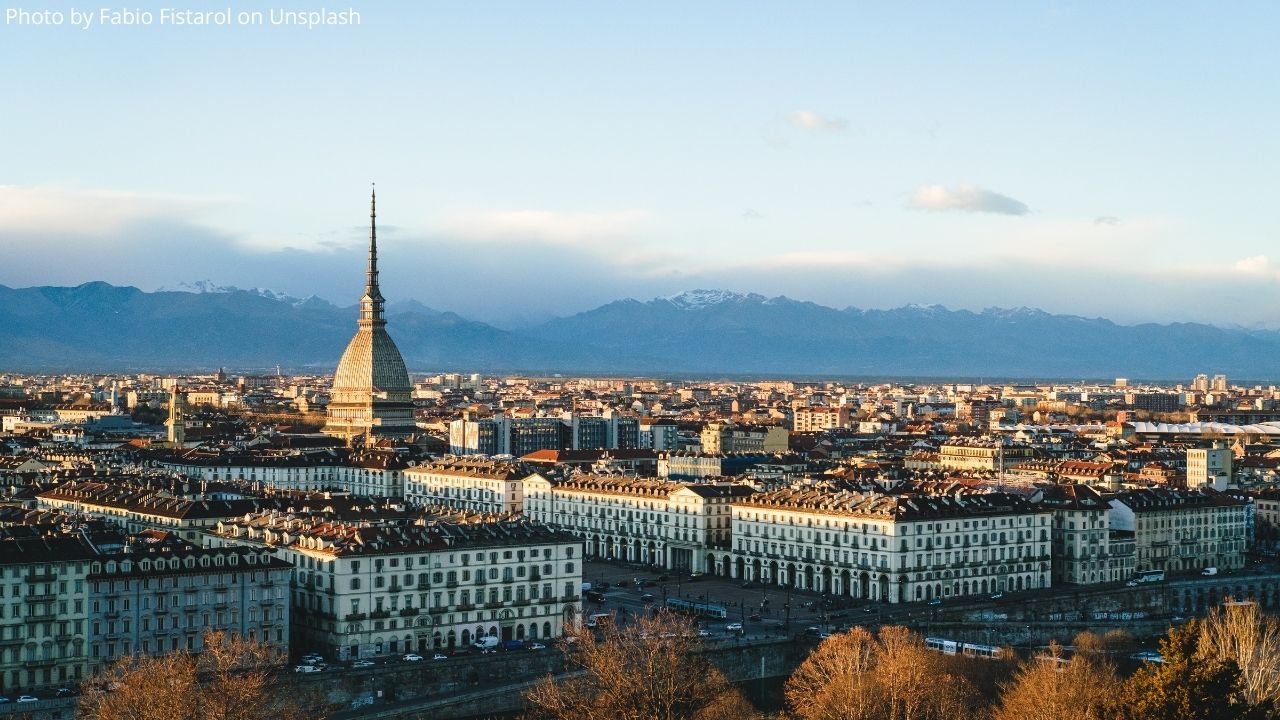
704	634
362	664
28	698
537	646
442	656
754	617
312	658
647	597
63	692
413	657
4	700
936	601
998	596
305	668
733	627
513	645
695	576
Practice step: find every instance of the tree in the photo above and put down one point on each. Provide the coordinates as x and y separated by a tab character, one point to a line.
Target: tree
652	669
1187	685
1239	632
892	676
1052	687
232	679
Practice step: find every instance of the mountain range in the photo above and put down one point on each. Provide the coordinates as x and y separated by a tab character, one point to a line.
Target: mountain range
98	326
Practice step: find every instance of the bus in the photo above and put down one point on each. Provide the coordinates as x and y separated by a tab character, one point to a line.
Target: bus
1150	576
694	607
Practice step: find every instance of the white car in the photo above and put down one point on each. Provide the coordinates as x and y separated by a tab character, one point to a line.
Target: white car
733	627
28	698
537	646
704	634
362	664
412	657
312	658
437	656
305	668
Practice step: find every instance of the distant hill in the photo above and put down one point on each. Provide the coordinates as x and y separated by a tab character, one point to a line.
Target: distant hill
101	326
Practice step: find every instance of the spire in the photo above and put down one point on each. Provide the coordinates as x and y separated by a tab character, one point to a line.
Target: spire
371	304
371	281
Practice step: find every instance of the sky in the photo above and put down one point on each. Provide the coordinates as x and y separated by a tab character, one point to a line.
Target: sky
535	159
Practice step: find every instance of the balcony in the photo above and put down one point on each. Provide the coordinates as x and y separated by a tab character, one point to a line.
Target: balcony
354	617
42	617
438	610
521	601
41	577
466	606
570	598
42	662
45	597
493	605
408	612
451	584
379	614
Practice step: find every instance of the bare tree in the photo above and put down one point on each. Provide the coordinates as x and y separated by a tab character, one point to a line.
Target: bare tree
653	669
1051	687
1239	631
232	679
892	676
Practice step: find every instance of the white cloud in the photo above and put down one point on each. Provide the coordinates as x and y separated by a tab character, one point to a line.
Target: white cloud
810	120
42	210
1256	265
1106	220
966	198
543	226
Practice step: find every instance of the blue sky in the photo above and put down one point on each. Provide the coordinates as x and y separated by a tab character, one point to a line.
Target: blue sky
540	158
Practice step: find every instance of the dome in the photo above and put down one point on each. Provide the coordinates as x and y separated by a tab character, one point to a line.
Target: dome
371	363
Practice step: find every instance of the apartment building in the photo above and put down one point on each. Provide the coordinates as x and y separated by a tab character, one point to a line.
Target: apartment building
990	454
895	548
156	596
818	419
1086	550
657	522
1209	467
472	483
369	589
371	473
728	437
1182	530
44	608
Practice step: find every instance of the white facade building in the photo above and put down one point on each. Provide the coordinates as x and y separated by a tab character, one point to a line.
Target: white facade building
891	548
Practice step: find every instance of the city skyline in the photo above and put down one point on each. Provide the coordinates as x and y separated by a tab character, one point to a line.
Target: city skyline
1100	162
